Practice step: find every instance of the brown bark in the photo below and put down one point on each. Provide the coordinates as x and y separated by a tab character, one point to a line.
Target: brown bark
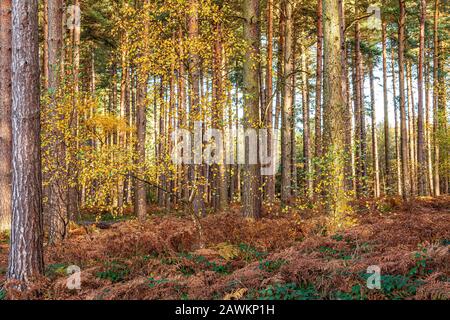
307	174
219	194
269	180
286	114
5	115
397	129
387	169
318	103
334	112
406	183
26	259
421	158
252	172
57	198
196	172
375	161
437	187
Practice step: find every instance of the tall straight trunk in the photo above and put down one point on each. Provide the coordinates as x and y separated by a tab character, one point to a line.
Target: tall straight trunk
375	160
280	66
141	123
57	207
73	191
397	129
219	194
294	121
411	128
345	93
252	172
286	114
360	128
237	167
387	169
26	256
5	115
269	180
406	183
421	157
318	102
437	187
334	112
196	172
45	46
182	111
307	174
428	128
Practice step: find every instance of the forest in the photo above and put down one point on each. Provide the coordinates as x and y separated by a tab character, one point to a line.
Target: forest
224	150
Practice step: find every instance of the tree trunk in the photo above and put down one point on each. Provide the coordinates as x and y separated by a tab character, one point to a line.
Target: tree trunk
5	115
307	174
286	114
252	172
270	179
360	129
196	174
397	129
26	258
73	191
411	129
318	103
437	186
57	199
375	161
45	46
428	127
406	183
219	194
387	169
334	113
345	93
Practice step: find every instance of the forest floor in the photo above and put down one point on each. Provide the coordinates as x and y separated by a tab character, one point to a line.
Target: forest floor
285	256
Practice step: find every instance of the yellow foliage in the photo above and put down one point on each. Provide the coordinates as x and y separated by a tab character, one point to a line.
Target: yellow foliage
236	295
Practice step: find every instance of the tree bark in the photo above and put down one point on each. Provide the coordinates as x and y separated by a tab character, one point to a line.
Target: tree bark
252	172
318	103
375	160
437	184
387	169
286	114
196	172
26	259
406	182
269	180
307	174
57	199
5	115
334	113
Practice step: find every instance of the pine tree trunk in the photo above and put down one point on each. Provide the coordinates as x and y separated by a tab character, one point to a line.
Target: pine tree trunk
406	183
334	112
375	160
196	172
387	169
437	186
57	199
26	259
318	102
307	174
5	115
252	172
269	180
397	129
286	114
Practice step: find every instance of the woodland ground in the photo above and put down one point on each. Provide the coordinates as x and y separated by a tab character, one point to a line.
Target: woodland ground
286	256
